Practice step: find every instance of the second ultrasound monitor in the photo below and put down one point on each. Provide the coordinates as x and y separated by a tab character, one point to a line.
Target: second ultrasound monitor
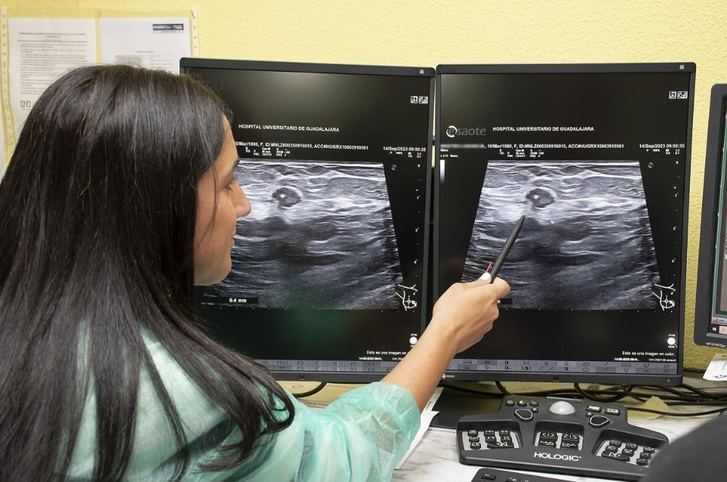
596	158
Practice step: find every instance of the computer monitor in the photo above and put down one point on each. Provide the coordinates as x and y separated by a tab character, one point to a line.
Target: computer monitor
710	313
597	159
328	277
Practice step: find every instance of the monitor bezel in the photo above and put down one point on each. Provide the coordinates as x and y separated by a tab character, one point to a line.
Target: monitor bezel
187	63
636	68
710	211
304	67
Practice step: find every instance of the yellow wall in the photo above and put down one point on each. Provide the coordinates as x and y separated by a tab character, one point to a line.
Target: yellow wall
427	33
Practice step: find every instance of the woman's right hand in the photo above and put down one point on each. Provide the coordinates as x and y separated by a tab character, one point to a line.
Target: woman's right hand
462	316
466	312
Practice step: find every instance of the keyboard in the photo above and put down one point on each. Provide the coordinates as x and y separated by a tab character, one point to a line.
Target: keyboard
499	475
558	436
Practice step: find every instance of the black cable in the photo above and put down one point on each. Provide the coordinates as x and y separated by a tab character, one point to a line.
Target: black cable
638	397
691	391
676	394
502	388
693	394
682	395
677	414
470	390
703	393
699	403
616	392
310	392
597	395
555	392
542	393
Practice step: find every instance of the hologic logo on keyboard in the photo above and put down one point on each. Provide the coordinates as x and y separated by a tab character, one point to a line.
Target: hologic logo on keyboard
565	457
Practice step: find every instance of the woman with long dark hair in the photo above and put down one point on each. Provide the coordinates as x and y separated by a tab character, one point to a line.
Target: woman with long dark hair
120	197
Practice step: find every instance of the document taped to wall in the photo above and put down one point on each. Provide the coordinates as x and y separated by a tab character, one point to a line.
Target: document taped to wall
153	43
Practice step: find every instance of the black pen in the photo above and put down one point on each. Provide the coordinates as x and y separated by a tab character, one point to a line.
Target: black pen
492	274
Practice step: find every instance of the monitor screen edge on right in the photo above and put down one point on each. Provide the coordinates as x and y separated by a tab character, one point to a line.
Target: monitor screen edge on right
710	321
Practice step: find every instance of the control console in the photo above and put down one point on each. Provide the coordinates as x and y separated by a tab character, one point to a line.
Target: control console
559	436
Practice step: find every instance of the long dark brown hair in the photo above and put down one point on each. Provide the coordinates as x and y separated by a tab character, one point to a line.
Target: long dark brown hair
97	216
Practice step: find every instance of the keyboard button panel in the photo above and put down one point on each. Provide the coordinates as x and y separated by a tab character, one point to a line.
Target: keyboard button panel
558	440
629	452
491	439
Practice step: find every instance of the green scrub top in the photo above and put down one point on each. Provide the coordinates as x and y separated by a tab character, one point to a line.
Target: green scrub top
359	437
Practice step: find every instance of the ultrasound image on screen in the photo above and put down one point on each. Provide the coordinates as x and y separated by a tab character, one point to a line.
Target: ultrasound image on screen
586	243
320	236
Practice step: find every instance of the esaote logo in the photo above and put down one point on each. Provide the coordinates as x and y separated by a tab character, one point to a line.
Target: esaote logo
453	131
